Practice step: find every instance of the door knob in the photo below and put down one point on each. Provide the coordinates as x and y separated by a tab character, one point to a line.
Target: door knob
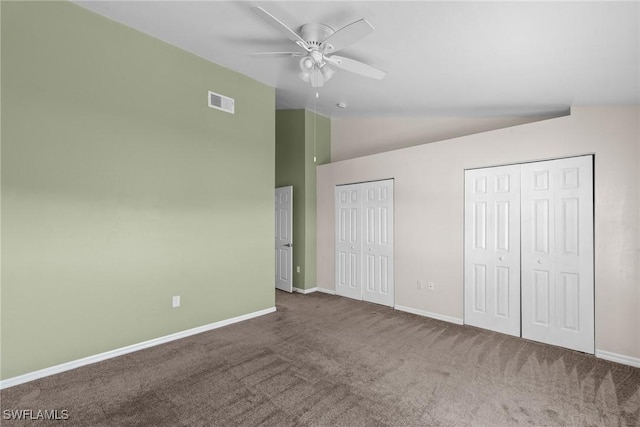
288	245
501	258
539	261
370	249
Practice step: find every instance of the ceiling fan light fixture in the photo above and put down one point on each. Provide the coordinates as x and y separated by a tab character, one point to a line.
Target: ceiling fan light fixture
305	76
327	72
314	70
306	64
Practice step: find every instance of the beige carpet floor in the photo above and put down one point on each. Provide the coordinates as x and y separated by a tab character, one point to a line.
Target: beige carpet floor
322	360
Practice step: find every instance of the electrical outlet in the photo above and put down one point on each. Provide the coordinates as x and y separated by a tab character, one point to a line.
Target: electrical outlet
175	302
297	269
430	286
420	285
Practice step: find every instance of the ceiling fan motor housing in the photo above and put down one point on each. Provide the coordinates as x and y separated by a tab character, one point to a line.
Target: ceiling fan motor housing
315	34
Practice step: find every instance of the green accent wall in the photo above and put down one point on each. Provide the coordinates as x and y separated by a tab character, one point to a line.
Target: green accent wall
301	135
290	170
121	188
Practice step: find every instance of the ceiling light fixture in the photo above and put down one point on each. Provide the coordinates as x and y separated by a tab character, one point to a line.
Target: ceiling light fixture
313	69
327	72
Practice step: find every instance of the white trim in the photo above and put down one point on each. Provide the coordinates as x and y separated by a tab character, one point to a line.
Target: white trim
326	291
304	291
429	314
21	379
619	358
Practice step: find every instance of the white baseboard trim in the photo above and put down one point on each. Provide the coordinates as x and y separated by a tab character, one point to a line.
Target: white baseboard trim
429	314
304	291
619	358
21	379
314	289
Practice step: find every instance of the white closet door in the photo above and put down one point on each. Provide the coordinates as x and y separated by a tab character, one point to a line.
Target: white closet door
348	241
557	253
364	241
377	242
492	249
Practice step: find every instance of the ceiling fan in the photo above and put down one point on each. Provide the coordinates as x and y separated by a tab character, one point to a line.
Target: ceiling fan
319	42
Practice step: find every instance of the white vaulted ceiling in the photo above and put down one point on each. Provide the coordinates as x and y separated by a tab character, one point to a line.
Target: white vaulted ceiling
442	58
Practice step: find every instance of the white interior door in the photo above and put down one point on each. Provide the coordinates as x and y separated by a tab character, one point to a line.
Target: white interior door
557	253
284	238
364	242
377	242
348	241
492	249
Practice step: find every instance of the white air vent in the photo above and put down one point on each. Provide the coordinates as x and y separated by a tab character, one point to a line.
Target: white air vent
221	102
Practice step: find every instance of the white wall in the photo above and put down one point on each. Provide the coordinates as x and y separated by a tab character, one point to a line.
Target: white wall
429	194
357	137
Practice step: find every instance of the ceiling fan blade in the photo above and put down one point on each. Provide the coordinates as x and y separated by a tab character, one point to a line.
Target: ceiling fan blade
275	54
279	25
356	67
347	35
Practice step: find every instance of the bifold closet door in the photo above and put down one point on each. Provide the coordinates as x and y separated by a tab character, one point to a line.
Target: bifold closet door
529	251
377	242
348	279
364	242
492	249
557	253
